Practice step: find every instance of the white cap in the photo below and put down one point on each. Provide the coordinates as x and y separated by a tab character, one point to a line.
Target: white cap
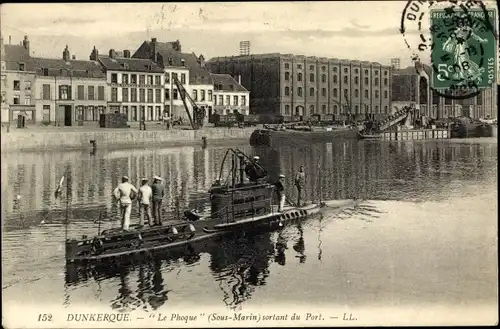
282	176
158	178
256	157
125	177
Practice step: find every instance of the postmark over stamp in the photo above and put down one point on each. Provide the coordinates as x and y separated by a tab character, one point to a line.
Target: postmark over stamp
461	40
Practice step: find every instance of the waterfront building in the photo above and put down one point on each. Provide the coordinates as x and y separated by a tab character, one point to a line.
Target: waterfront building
188	68
285	84
409	87
68	91
229	95
135	86
17	82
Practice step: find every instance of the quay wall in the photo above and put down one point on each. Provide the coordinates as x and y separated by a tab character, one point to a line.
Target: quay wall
26	140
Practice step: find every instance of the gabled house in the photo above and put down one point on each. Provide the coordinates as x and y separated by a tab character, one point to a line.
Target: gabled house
229	95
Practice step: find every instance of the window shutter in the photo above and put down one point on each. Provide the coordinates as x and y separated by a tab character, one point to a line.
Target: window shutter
60	92
70	95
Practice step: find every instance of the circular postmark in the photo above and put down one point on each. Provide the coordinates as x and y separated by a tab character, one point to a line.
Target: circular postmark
457	35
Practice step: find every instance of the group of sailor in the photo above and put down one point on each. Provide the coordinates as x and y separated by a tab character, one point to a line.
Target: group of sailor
257	174
149	198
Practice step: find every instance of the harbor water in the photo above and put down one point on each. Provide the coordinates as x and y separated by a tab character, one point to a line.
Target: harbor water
427	234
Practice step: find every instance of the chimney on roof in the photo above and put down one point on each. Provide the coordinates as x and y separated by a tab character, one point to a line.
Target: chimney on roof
126	53
154	50
201	60
176	45
239	79
112	53
94	54
10	39
73	57
26	43
66	54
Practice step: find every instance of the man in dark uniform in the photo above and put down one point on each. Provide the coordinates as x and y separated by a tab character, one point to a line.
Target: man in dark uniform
158	190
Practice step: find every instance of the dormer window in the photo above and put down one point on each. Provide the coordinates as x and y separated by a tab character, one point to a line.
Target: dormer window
45	72
125	66
170	61
183	62
21	67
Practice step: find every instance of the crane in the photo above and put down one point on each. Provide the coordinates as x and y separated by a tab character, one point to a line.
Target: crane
198	114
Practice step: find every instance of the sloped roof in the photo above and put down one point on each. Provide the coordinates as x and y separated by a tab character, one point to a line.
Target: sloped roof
411	70
131	64
75	68
15	54
227	82
197	73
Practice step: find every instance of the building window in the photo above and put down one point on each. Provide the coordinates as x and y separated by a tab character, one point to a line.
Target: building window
142	95
366	72
150	80
157	80
311	77
323	92
202	95
356	80
133	80
287	66
345	79
16	100
386	73
385	82
46	92
356	109
150	113
228	100
287	91
157	95
243	100
27	100
376	93
323	78
174	77
167	93
235	100
195	94
386	94
133	95
356	93
335	109
114	94
311	67
209	95
311	92
65	92
46	113
27	85
114	78
176	94
81	93
376	72
335	80
376	109
90	93
299	76
335	70
142	79
323	68
150	95
125	79
385	109
299	91
221	100
134	113
17	85
158	112
335	94
346	70
21	66
311	109
167	77
345	92
215	100
299	66
287	109
183	78
366	93
100	93
124	94
356	71
287	76
323	109
376	81
366	81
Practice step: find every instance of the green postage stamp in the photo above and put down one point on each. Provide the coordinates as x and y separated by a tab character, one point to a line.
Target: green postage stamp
464	49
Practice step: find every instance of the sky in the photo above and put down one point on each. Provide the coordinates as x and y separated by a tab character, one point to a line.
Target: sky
363	30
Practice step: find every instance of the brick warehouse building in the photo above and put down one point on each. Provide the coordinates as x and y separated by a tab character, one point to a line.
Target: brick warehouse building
301	85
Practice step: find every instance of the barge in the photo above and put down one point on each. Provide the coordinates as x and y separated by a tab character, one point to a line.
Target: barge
237	207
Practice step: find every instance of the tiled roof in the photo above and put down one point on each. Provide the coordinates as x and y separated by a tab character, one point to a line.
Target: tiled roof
130	64
75	68
227	82
15	54
197	73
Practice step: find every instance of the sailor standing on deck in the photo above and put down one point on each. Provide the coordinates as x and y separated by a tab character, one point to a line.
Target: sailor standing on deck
158	190
144	198
300	182
280	189
123	192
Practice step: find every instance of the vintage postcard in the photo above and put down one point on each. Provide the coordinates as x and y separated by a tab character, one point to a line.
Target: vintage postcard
249	164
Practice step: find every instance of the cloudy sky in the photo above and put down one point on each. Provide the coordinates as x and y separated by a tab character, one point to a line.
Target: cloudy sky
366	30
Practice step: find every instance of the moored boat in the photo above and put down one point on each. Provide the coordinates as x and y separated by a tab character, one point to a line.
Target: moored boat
236	206
268	136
